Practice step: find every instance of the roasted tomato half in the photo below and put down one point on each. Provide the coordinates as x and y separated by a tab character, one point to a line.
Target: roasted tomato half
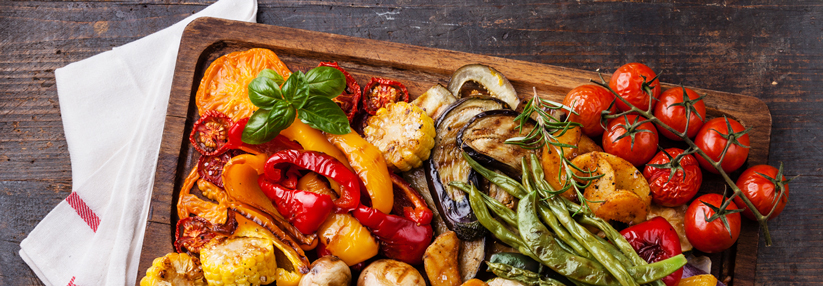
210	133
710	140
671	190
195	232
380	92
636	83
210	168
350	98
589	101
655	240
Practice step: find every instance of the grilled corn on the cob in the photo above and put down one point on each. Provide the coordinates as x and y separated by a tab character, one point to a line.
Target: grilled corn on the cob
174	269
239	261
403	133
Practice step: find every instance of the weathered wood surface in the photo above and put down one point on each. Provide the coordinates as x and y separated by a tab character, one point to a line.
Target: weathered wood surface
767	49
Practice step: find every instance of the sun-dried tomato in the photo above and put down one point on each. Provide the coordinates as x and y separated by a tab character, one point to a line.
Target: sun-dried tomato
211	133
350	98
195	232
210	168
380	92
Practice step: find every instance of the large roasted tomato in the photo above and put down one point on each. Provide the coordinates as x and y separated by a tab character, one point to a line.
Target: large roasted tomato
711	237
588	101
636	148
671	110
679	188
634	82
710	140
224	86
761	191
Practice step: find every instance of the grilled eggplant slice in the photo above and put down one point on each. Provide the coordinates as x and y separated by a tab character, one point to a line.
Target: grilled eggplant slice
484	139
446	165
476	79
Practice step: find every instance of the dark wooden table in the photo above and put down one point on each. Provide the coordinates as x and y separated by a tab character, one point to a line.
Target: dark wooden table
772	50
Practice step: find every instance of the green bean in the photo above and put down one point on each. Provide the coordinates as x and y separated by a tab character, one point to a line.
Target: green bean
616	253
508	184
580	233
561	232
521	275
538	238
658	270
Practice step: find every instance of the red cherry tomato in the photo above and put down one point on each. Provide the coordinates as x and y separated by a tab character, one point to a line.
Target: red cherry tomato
193	233
211	133
645	139
710	140
350	97
761	191
675	116
681	187
380	92
655	240
628	81
210	168
589	101
710	237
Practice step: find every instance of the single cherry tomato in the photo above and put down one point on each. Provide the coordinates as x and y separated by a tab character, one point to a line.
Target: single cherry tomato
210	168
711	237
670	110
192	233
380	92
633	82
710	140
589	101
350	98
645	139
211	133
682	186
655	240
761	191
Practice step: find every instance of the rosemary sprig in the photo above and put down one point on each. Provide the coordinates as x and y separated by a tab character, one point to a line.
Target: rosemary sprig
731	139
547	130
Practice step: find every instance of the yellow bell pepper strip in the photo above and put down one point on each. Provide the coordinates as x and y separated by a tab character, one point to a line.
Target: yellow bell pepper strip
278	164
311	182
344	237
240	177
370	166
189	204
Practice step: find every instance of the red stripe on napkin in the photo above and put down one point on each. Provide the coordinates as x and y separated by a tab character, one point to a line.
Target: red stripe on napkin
84	211
71	283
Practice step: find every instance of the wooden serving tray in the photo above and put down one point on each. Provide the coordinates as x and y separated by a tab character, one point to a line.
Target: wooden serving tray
419	68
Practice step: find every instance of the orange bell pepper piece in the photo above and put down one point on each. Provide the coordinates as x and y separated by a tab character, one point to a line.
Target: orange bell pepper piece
344	237
370	166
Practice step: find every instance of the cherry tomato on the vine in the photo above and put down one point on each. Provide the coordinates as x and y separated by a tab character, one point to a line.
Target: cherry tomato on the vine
711	237
645	139
680	188
633	82
589	101
655	240
710	140
761	191
670	110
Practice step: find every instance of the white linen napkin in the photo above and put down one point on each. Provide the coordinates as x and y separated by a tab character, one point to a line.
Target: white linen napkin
113	107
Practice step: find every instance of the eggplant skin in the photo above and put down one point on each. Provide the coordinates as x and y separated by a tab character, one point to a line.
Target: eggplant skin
446	164
484	139
492	82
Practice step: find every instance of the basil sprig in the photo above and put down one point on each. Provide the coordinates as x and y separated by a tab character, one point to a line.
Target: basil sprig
308	96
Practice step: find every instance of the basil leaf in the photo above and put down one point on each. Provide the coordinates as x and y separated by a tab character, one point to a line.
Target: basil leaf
327	82
272	75
323	114
263	92
264	125
292	88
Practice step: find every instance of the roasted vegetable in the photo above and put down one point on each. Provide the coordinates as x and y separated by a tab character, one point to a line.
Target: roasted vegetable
435	101
676	217
174	269
381	92
343	236
517	260
242	260
400	238
622	193
403	133
367	161
440	260
480	80
484	139
387	272
446	165
327	271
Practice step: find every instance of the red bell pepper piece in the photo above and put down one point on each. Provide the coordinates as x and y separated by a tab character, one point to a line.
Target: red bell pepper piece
407	201
305	210
380	92
322	164
655	240
400	238
279	142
